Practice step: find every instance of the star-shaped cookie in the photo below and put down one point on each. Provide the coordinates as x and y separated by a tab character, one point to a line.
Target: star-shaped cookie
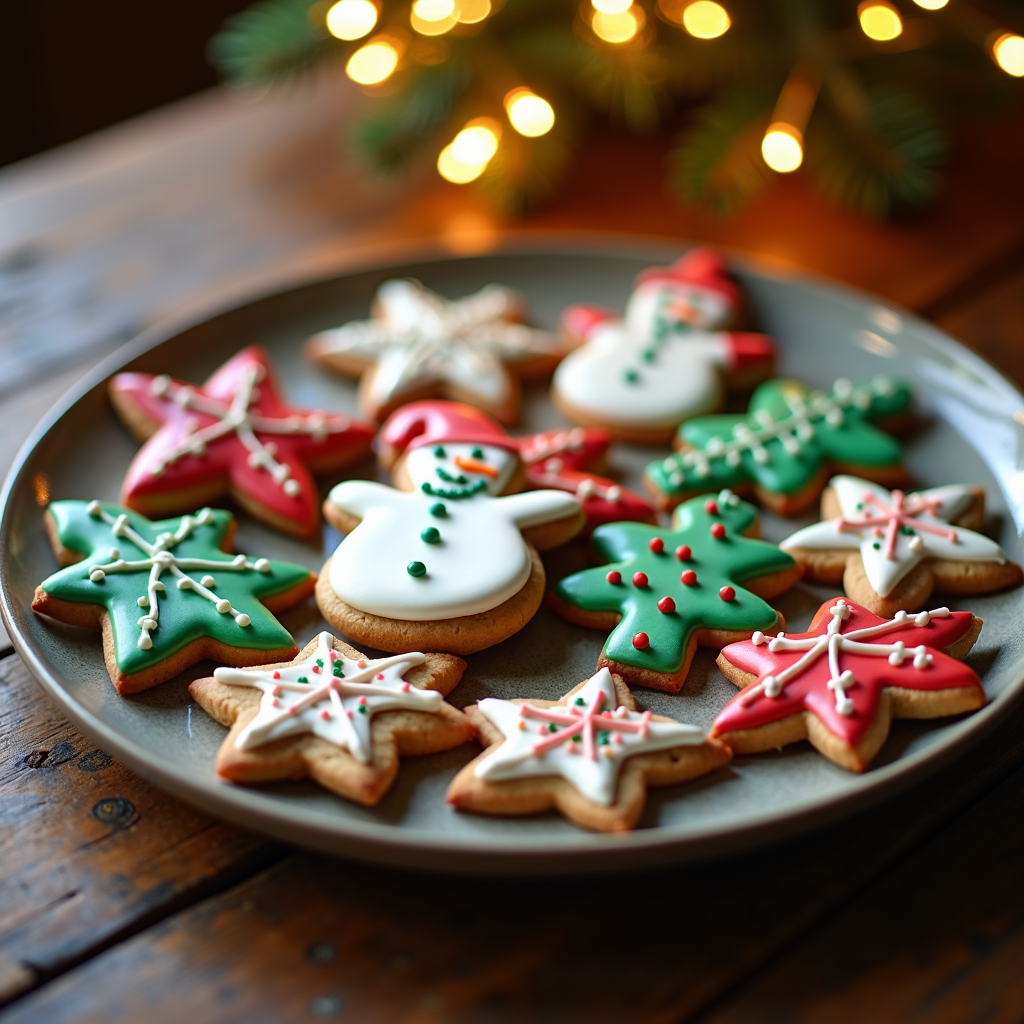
841	683
166	594
422	345
335	716
790	439
232	435
891	549
664	592
590	755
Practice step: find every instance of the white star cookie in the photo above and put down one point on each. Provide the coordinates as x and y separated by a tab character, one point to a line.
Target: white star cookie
892	550
590	755
421	345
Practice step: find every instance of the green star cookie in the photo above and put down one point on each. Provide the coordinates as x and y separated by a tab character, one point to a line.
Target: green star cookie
170	593
788	443
672	586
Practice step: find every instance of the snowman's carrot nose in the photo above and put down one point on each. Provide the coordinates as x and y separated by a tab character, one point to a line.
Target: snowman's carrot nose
472	466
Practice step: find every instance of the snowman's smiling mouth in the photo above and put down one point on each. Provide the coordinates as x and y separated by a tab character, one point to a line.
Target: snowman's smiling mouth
458	485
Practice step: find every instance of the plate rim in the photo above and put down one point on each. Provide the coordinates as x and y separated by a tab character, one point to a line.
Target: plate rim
485	854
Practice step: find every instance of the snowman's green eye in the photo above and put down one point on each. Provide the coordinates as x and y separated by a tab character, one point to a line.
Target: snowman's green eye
440	452
478	453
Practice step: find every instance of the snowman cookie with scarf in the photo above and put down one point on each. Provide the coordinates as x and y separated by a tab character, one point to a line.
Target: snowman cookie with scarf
446	560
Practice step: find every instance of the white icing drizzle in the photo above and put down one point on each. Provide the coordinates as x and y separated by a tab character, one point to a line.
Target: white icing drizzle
792	431
873	521
160	560
834	643
605	737
336	707
422	337
239	418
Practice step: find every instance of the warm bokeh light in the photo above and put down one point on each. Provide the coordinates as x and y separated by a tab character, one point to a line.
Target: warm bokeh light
528	113
1008	52
351	19
373	63
433	17
879	20
782	148
612	6
617	28
706	19
477	142
454	170
469	12
931	5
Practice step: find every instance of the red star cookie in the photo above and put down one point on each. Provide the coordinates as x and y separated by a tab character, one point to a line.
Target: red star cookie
841	683
233	435
563	459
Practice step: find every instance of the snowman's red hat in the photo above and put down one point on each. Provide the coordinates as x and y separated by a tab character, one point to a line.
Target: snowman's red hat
440	422
702	267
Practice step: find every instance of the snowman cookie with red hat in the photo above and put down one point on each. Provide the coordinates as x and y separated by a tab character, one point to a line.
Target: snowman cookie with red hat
672	355
447	559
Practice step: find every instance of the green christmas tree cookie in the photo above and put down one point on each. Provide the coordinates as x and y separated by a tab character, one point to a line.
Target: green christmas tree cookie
166	594
788	444
666	591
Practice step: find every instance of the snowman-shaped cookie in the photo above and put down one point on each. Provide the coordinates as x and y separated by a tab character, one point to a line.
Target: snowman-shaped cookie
670	357
448	560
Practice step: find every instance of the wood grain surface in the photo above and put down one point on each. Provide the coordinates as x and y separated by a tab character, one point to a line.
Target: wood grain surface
118	903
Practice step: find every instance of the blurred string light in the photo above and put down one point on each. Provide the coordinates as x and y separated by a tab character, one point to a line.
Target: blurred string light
466	157
1008	53
471	12
879	20
611	7
433	17
373	63
931	5
617	28
528	113
351	19
705	19
782	147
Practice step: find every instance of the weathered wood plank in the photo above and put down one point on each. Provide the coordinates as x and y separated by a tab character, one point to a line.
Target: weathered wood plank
89	850
322	938
939	939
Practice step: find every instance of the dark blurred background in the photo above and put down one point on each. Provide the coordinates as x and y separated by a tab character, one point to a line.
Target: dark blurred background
70	67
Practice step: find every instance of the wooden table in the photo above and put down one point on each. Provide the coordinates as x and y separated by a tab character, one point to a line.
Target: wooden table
117	903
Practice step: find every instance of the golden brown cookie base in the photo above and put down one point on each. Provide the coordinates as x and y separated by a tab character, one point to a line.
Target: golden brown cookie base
393	734
462	635
518	797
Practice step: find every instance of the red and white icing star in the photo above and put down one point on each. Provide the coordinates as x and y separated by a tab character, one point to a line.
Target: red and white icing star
839	667
560	459
234	434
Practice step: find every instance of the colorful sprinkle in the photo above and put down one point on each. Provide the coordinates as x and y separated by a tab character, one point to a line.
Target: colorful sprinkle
430	535
689	578
656	544
711	507
683	553
416	569
614	577
641	641
439	452
666	605
718	530
727	594
639	579
439	510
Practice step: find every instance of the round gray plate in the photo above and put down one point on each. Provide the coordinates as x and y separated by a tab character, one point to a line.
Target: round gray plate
973	434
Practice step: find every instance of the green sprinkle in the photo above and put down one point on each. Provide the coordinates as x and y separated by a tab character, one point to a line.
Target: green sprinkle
320	662
478	453
302	679
440	452
648	355
430	535
602	737
361	709
416	569
337	668
877	546
580	701
577	738
438	509
909	531
552	727
630	376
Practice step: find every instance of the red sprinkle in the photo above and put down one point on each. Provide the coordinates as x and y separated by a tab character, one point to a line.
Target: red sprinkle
689	578
316	669
711	507
641	640
380	675
666	605
277	675
656	544
683	553
727	594
639	579
717	530
614	576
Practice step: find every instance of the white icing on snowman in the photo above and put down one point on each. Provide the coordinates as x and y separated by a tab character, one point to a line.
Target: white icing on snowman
895	531
660	365
586	741
466	540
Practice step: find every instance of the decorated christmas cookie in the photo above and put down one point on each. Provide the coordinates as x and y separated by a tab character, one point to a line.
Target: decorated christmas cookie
785	446
335	716
166	594
590	755
420	345
233	435
565	460
448	562
891	549
842	682
664	592
668	359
